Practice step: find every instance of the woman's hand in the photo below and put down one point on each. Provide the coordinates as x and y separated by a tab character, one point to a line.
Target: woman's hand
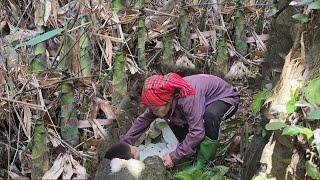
167	161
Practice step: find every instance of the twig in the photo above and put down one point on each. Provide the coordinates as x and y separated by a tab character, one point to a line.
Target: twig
159	12
22	16
42	102
72	149
8	146
15	154
21	123
35	106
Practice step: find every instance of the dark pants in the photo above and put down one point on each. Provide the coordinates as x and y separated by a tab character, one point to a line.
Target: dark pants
213	115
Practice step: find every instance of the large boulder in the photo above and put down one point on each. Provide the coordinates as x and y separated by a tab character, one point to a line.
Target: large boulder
154	169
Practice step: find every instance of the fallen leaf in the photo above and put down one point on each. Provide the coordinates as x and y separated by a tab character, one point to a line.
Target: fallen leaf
54	141
79	170
67	168
56	170
184	62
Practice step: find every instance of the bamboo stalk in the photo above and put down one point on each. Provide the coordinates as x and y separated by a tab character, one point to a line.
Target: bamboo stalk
39	64
69	130
84	44
184	37
119	79
222	53
167	53
40	151
240	36
141	35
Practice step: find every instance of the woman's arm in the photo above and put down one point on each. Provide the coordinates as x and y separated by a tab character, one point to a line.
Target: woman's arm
138	127
193	111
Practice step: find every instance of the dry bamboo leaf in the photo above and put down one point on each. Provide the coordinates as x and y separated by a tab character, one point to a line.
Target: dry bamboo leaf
10	56
158	18
55	142
54	15
102	131
56	170
2	80
106	107
79	170
47	12
132	66
184	62
259	42
176	45
16	176
27	115
239	71
203	40
205	34
85	123
67	168
108	52
263	37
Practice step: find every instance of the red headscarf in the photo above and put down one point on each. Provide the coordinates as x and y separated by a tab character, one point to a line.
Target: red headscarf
159	89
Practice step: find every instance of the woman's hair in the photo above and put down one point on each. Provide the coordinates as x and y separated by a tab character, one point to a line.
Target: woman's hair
120	150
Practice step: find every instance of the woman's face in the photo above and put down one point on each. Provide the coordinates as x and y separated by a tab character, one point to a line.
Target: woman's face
161	111
135	152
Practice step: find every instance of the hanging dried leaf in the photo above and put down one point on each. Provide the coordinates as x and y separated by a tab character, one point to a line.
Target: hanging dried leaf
27	120
108	52
106	107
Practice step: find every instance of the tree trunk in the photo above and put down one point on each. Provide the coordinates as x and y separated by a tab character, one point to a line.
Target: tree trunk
280	158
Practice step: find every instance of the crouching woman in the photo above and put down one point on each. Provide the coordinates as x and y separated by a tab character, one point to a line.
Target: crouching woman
193	106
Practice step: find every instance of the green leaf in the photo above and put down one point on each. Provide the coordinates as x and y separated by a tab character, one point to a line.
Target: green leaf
116	5
294	130
312	92
40	38
314	5
313	114
301	17
271	126
312	171
291	105
258	100
182	176
259	178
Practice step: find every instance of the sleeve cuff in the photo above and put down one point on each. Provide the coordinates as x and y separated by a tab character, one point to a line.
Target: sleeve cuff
124	138
174	157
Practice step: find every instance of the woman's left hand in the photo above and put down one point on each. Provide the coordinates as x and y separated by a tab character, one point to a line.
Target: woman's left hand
167	161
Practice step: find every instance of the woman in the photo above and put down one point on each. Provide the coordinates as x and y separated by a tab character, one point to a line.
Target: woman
194	107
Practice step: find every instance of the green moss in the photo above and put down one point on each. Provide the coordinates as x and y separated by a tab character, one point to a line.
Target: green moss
40	155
